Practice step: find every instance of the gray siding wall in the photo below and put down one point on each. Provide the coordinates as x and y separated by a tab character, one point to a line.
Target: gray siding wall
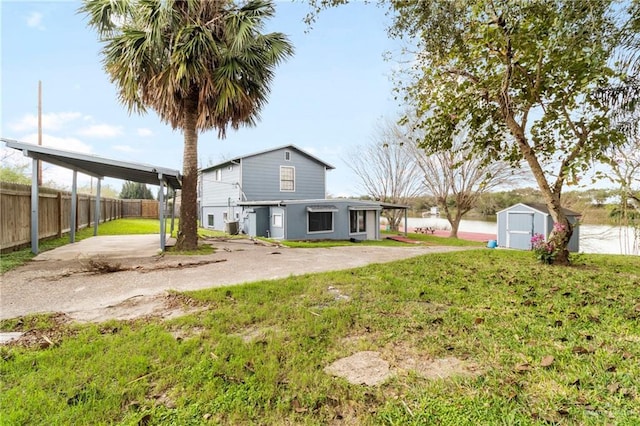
296	227
219	213
261	177
257	222
217	193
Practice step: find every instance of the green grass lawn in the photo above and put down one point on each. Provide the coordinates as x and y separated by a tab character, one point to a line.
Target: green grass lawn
421	238
552	345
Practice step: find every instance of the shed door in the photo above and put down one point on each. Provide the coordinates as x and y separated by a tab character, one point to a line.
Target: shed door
519	230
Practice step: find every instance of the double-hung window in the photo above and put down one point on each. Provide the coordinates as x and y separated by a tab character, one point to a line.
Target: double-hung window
287	178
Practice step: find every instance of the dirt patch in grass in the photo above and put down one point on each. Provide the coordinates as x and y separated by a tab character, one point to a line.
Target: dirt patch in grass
362	368
34	336
164	306
370	368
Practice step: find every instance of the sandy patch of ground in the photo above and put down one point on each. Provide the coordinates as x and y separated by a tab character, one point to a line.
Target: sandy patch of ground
370	368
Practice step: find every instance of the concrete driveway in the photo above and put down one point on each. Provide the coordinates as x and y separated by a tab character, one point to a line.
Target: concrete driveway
108	246
65	280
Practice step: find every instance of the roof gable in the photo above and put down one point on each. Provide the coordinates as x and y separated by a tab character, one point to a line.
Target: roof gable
541	208
289	147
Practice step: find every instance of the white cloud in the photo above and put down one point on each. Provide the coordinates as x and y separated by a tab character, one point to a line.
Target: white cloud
50	173
34	20
144	132
50	121
124	148
101	131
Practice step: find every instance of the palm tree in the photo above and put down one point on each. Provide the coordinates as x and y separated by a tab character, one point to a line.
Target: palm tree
200	65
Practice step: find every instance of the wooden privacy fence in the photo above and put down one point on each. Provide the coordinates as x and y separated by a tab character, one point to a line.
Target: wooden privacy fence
140	208
54	215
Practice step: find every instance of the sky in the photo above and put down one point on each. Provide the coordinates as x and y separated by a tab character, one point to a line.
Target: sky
327	99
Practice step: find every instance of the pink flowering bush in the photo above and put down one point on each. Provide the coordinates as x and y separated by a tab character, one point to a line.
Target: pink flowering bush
545	250
559	228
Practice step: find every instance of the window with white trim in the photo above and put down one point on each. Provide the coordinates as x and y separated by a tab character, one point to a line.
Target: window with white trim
357	221
320	221
210	220
276	220
218	175
287	178
287	155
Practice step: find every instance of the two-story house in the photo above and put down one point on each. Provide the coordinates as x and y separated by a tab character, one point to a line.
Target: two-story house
281	193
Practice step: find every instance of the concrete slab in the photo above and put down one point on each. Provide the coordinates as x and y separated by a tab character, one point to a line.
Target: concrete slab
108	246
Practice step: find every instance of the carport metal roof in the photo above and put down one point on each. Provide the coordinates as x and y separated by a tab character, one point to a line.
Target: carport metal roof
99	167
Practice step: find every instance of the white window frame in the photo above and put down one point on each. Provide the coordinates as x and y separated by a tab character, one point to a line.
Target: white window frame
211	221
333	218
276	220
360	214
217	175
293	169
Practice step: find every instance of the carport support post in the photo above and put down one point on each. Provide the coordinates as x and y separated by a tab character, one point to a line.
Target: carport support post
96	212
74	206
406	221
161	208
173	211
34	206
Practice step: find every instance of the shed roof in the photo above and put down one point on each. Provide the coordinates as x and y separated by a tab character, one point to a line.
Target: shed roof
99	167
292	147
542	208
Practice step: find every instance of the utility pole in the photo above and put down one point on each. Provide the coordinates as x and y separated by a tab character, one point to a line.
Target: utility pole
39	129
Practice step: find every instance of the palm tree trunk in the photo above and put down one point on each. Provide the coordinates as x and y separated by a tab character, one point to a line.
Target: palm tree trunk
188	231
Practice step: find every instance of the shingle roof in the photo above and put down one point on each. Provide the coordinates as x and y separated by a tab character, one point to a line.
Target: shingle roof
292	147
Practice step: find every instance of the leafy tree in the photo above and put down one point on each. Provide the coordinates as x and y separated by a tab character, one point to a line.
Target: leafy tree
523	76
456	178
200	65
387	169
135	191
14	173
106	191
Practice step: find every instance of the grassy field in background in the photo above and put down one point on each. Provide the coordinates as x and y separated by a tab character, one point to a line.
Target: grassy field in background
551	345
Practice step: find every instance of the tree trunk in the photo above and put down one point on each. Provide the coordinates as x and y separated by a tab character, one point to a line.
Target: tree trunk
188	230
455	224
551	197
454	221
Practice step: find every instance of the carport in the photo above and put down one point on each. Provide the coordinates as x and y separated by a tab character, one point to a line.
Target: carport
98	167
